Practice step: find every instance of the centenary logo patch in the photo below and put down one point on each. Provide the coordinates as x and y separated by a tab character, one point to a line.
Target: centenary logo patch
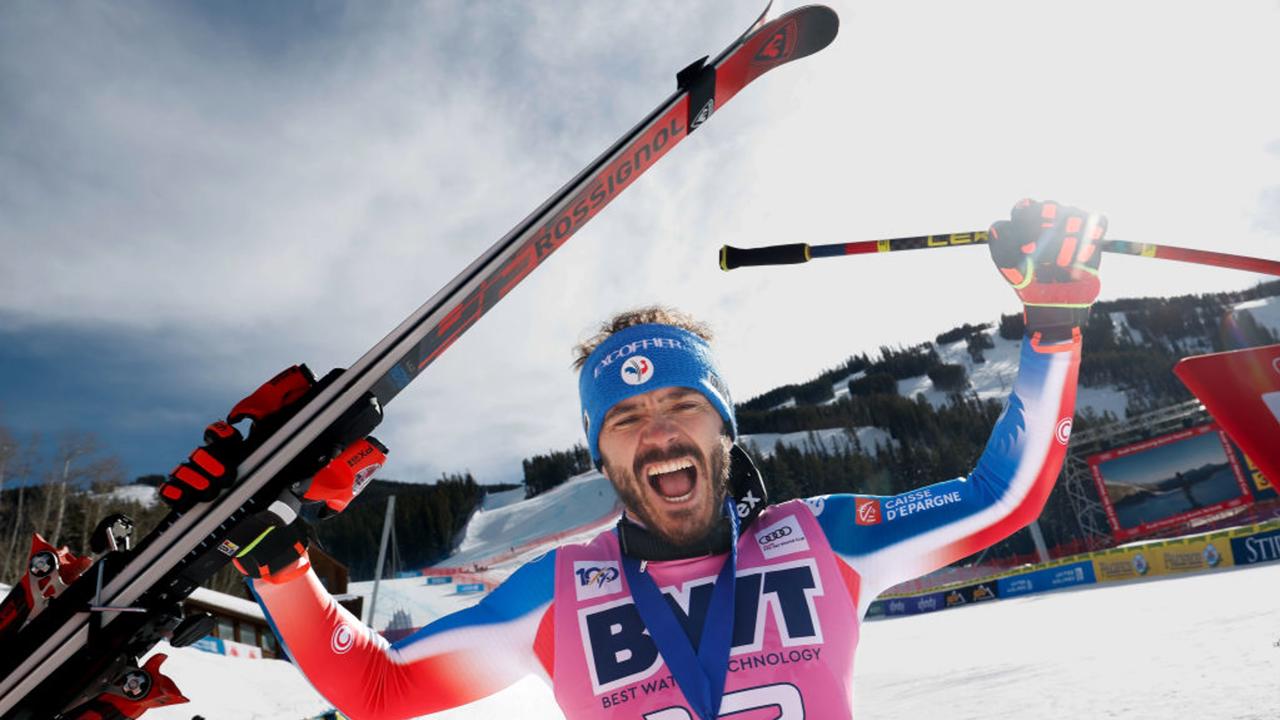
868	511
1063	431
637	370
343	640
782	538
596	579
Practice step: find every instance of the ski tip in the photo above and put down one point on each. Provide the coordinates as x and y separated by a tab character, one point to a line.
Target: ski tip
819	25
791	36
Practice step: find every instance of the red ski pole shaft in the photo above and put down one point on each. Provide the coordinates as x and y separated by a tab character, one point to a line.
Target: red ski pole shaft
731	257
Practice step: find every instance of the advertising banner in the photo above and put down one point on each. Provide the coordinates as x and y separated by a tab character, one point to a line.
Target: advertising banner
1256	548
1180	556
1169	480
439	580
1051	578
469	588
915	605
970	594
1241	389
1121	564
1259	484
230	648
209	644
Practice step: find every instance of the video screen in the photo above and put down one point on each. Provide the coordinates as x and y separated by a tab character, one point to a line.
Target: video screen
1168	480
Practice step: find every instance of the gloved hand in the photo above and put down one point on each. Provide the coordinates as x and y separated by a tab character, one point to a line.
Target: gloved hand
272	544
212	467
279	554
1050	254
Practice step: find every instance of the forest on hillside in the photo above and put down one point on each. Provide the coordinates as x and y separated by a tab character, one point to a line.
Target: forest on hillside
64	494
931	444
64	486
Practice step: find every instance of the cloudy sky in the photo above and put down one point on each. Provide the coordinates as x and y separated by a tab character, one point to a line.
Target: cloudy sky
195	195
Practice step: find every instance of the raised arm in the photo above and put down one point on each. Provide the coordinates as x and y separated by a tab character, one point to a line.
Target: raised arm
889	539
1049	254
455	660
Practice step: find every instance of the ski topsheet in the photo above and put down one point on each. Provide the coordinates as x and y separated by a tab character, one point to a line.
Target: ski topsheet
53	656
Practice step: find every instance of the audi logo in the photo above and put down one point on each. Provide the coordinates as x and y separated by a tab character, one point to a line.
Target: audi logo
775	535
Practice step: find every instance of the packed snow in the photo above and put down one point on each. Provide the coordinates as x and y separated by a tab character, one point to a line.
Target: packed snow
1204	646
993	378
503	535
1266	311
145	495
581	500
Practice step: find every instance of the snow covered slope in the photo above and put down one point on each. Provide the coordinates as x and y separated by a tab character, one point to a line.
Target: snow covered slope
1266	311
503	535
581	500
992	379
1200	646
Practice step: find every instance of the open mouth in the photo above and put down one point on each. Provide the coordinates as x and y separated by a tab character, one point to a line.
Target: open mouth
673	480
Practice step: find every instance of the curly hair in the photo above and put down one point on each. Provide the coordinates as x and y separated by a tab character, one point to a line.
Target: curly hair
656	314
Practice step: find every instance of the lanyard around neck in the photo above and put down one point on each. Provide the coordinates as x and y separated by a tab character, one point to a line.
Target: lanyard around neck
701	673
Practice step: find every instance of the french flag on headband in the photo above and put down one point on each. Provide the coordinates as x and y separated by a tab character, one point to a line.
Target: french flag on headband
1241	389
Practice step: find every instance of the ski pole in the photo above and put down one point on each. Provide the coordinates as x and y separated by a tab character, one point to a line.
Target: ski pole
793	253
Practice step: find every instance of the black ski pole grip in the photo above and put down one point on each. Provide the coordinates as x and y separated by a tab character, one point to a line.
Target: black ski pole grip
790	254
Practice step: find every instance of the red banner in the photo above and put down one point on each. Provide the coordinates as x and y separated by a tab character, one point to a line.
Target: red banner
1242	391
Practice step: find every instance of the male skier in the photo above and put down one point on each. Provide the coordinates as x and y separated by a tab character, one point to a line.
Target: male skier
703	601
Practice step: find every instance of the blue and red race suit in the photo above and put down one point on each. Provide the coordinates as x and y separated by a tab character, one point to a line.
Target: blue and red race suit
807	571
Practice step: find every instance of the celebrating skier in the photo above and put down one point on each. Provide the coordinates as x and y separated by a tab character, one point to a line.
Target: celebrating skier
704	601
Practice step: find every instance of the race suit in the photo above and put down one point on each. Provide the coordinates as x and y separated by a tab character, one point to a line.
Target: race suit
806	573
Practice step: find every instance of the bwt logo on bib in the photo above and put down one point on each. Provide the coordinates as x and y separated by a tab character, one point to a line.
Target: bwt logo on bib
620	650
637	370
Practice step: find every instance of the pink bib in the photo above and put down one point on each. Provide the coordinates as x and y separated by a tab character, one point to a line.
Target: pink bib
795	627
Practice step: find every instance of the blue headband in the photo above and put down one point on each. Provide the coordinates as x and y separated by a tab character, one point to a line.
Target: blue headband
641	358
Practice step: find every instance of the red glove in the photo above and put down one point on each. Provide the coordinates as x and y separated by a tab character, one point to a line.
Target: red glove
212	467
1050	253
274	542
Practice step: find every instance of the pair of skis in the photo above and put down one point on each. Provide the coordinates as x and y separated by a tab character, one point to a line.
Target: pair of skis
68	656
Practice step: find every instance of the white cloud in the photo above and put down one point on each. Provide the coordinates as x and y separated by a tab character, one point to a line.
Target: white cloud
291	196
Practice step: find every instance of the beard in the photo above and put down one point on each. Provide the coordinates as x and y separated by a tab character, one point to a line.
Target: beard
692	522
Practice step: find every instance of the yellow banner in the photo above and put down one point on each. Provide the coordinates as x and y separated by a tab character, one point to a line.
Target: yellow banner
1164	557
1122	564
1180	556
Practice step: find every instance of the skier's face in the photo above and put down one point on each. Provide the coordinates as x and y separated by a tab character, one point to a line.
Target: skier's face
666	454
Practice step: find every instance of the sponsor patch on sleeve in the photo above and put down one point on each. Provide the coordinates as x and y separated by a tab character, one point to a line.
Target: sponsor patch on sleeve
596	579
868	511
782	538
